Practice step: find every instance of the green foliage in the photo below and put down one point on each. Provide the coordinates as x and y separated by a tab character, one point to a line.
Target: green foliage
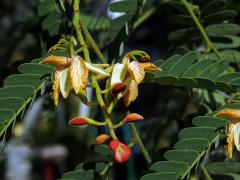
193	145
19	91
193	71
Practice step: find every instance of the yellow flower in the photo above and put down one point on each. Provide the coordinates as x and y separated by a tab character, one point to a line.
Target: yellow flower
71	73
233	115
131	72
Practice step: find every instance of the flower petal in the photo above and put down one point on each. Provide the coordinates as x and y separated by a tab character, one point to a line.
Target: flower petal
118	74
230	141
237	136
113	145
232	114
78	74
132	117
131	93
117	88
56	87
102	138
137	71
78	121
65	82
150	67
56	60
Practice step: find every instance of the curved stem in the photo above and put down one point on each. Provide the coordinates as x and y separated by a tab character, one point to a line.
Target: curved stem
144	17
208	42
91	41
76	24
139	142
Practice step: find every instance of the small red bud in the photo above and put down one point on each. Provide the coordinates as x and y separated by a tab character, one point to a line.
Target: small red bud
132	117
102	138
78	121
113	145
122	151
117	88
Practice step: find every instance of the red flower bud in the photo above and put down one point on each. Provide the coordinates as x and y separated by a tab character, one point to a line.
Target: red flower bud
122	151
78	121
117	88
133	117
102	138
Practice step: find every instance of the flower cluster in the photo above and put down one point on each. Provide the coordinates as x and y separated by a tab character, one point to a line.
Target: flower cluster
123	78
126	76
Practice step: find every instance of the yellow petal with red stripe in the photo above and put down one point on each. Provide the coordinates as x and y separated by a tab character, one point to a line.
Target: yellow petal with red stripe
78	74
137	71
131	93
150	67
56	87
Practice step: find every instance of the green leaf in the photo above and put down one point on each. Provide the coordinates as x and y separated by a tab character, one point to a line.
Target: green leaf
21	91
196	69
231	106
183	64
165	80
229	55
33	80
206	121
33	68
227	42
187	156
52	23
213	6
197	144
160	176
13	103
182	34
96	23
5	114
222	29
228	77
220	16
223	167
197	132
181	19
120	22
169	166
79	174
167	64
46	7
124	6
214	70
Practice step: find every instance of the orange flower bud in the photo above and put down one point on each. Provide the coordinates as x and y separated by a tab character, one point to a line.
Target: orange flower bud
78	121
132	117
232	114
122	151
56	60
102	138
117	88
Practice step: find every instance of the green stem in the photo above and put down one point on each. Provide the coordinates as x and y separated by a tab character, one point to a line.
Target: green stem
206	174
76	21
92	42
139	142
144	17
71	47
209	44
